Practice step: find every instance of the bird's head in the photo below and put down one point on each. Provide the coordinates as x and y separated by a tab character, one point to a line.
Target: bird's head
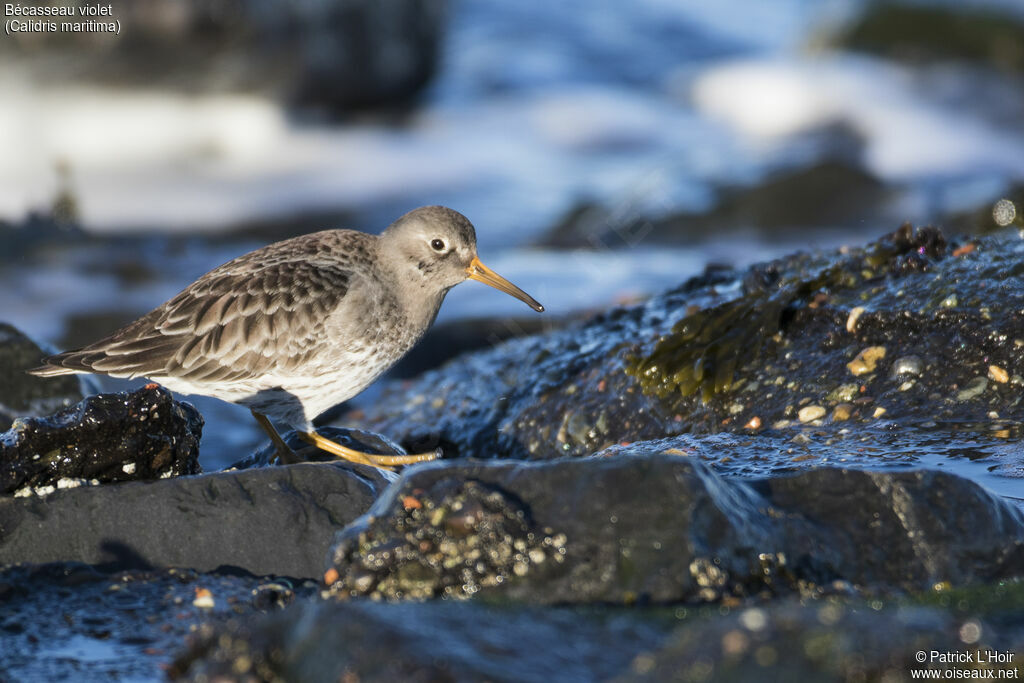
436	247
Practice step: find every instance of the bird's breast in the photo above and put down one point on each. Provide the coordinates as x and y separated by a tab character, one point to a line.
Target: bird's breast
374	328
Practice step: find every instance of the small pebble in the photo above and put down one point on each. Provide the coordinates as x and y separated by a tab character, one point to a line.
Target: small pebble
907	365
810	413
851	321
997	374
842	412
879	412
866	360
973	389
204	599
363	583
844	393
753	423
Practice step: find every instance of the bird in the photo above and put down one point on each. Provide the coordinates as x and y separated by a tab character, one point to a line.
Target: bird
296	327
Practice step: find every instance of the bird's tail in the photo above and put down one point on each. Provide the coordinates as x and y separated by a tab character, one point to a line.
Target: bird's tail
67	363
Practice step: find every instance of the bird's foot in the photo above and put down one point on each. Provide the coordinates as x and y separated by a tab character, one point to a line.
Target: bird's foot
286	456
385	462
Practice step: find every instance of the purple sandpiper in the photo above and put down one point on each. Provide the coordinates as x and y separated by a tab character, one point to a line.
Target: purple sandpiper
301	325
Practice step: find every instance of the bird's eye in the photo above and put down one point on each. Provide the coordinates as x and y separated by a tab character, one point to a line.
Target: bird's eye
438	245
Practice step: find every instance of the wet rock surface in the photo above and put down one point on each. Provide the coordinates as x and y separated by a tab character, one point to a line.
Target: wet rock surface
838	640
986	453
746	352
828	639
105	438
662	528
423	642
277	520
790	201
22	394
71	622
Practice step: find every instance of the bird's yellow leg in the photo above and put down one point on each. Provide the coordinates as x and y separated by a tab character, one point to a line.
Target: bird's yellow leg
347	453
284	452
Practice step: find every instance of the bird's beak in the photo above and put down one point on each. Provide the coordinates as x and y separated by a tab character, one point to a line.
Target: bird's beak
481	273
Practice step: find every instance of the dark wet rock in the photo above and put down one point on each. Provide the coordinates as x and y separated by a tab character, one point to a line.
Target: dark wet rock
337	56
134	624
927	32
706	358
830	194
69	622
703	352
36	231
983	452
835	641
141	435
278	520
912	529
663	528
631	524
441	641
364	54
824	640
21	394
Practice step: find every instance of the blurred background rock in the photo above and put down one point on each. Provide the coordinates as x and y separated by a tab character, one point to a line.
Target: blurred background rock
604	150
337	57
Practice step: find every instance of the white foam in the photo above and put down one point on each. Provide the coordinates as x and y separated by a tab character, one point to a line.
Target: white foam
145	160
907	136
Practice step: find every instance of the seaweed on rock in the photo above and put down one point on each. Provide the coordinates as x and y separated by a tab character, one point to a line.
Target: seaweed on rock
707	347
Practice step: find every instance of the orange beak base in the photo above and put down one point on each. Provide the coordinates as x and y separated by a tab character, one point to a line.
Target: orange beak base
481	273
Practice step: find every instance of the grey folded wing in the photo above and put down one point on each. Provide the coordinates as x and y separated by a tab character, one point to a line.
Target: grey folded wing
231	324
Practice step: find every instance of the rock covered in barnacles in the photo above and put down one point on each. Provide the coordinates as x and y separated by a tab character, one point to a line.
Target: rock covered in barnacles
656	528
141	435
452	539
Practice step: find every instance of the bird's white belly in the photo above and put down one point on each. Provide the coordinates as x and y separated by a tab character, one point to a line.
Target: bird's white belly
319	393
